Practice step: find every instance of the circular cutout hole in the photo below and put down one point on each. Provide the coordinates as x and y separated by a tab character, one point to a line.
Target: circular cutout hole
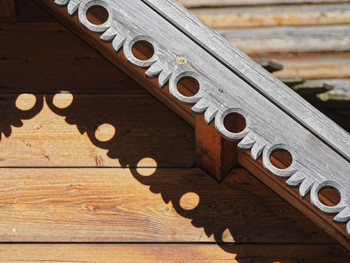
189	201
235	122
143	50
62	100
329	196
105	132
97	15
25	101
188	86
146	166
281	159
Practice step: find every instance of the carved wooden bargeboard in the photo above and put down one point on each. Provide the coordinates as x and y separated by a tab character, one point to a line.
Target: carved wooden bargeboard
230	82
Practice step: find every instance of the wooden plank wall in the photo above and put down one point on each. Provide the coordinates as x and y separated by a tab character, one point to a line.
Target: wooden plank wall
309	38
94	169
299	34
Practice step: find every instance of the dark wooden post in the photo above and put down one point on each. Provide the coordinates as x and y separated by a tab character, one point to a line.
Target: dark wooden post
216	155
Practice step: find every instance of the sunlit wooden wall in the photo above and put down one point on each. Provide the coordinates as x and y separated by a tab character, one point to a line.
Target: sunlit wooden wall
94	169
309	38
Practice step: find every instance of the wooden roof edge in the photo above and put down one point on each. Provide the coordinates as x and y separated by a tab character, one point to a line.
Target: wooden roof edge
230	82
252	73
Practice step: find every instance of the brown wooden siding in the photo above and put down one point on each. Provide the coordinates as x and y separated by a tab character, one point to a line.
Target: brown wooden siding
138	197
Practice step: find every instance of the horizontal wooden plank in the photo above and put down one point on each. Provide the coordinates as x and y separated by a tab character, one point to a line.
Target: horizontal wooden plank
143	127
197	3
278	15
179	253
291	194
145	205
303	114
106	50
321	66
275	40
50	59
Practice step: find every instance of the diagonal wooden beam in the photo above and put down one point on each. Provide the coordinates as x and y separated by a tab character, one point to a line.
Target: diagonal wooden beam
231	83
118	59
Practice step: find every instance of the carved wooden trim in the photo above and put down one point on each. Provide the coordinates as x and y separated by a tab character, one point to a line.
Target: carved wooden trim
276	118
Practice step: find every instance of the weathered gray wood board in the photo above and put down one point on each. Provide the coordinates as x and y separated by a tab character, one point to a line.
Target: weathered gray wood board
325	66
279	40
273	15
252	74
230	82
76	202
309	39
196	3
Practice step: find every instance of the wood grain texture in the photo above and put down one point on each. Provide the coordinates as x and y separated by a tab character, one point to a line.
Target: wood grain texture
198	3
275	40
214	154
316	66
122	205
336	231
214	101
35	50
253	74
118	59
179	253
277	15
52	137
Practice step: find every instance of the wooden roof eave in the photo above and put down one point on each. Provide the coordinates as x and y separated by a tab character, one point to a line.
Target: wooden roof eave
230	82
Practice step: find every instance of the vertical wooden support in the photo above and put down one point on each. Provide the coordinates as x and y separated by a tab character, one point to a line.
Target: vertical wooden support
214	154
8	11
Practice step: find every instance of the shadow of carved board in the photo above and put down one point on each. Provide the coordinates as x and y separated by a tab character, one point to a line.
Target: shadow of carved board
145	205
83	91
48	58
87	156
96	131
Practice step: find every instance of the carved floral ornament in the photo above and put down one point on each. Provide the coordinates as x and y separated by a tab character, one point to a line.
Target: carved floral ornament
316	162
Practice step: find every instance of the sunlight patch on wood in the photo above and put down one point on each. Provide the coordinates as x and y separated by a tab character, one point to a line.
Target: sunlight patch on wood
189	201
149	163
227	236
25	101
105	132
63	99
36	143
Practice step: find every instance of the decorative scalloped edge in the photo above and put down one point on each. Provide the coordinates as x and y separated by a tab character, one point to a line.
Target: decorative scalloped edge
167	69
